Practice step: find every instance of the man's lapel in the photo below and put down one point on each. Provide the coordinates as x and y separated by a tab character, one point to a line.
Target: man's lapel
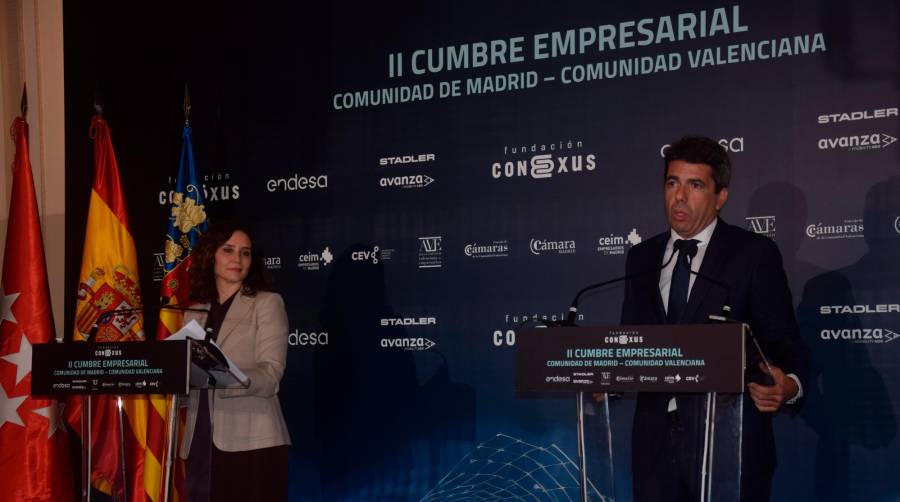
659	257
713	261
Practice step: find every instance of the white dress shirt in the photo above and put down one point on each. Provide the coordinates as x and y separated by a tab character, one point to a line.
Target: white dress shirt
665	283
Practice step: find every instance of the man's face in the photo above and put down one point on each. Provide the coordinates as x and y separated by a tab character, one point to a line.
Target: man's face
691	199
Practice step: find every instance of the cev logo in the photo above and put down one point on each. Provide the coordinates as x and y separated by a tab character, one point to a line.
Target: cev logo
366	255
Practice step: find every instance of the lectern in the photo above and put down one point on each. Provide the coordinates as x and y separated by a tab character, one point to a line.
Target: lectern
107	376
703	361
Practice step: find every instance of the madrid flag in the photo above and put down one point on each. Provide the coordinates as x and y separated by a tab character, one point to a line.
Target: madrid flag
34	446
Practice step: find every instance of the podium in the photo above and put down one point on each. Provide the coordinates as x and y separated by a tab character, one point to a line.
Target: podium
702	366
108	376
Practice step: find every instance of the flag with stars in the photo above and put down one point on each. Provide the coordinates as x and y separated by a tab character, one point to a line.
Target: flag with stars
35	462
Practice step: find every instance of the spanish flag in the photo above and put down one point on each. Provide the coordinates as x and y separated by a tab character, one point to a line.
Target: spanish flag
109	282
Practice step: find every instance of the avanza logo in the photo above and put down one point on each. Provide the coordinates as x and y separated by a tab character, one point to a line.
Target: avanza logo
871	141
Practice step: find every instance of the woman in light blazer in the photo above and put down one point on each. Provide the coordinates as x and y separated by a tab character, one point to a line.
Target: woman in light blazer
237	435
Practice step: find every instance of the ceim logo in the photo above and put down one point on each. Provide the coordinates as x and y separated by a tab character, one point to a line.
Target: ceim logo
870	141
764	225
616	244
315	261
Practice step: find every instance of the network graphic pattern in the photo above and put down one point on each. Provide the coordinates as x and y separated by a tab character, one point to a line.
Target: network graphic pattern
506	468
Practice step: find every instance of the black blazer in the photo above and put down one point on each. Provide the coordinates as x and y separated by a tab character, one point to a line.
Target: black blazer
750	266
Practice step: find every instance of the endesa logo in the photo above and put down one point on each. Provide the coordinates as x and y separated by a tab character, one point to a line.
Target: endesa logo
731	145
878	113
297	182
870	141
298	339
406	159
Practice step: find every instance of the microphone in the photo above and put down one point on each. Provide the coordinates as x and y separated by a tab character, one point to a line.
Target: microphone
573	309
725	317
105	317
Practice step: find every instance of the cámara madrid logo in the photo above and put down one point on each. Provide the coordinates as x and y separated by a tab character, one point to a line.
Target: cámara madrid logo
541	246
543	161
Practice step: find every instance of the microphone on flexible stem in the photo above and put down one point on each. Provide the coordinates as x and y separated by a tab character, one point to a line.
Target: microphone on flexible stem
573	309
104	317
725	317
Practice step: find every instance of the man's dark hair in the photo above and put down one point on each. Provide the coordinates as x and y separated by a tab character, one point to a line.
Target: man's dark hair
202	272
701	150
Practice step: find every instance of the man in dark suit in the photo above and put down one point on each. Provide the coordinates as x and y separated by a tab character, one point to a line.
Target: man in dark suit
668	429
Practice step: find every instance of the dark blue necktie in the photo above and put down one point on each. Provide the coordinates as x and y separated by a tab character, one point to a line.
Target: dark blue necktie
681	278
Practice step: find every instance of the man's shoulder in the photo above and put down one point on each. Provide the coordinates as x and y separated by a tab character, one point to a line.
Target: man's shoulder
745	239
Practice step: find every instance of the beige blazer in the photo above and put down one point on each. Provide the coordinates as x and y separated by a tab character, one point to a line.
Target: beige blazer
254	335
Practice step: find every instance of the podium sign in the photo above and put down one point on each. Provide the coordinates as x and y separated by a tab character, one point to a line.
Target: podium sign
111	368
659	358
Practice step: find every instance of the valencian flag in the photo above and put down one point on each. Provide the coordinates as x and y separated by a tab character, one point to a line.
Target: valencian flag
34	446
187	221
109	281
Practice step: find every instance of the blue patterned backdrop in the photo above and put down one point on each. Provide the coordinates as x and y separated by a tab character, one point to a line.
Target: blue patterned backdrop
410	239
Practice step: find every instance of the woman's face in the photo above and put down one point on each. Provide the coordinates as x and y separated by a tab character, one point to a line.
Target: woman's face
233	259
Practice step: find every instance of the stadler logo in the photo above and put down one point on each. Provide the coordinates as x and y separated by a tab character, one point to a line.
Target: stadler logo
871	141
376	255
540	246
298	339
730	145
430	252
616	244
409	321
763	225
850	229
878	308
297	182
315	261
544	165
272	262
859	335
411	181
414	343
878	113
496	249
406	159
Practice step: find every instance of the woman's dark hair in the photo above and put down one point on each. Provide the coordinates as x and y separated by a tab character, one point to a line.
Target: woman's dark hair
202	271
